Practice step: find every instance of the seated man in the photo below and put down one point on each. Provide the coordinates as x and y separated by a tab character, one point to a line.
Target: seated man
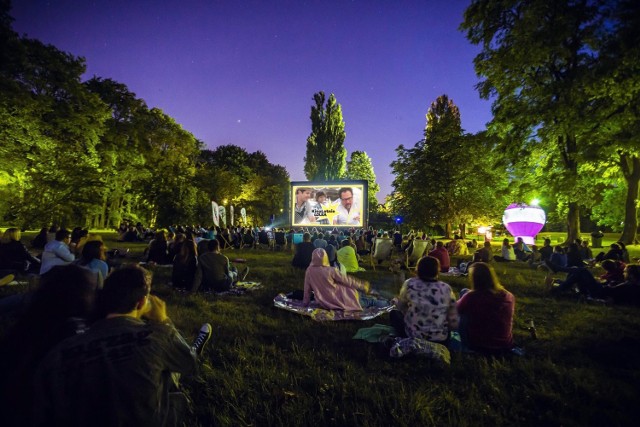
57	252
486	253
214	271
304	250
120	371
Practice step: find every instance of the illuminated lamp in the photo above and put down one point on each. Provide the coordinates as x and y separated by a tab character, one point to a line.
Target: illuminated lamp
524	221
482	230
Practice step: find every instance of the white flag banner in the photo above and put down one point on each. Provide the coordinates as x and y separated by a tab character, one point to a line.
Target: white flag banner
223	215
243	214
231	215
215	213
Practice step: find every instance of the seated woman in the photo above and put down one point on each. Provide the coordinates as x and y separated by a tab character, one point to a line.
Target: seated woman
14	256
93	258
158	249
426	307
507	253
486	312
185	265
333	290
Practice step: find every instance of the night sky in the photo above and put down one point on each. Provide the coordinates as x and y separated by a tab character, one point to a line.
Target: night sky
244	72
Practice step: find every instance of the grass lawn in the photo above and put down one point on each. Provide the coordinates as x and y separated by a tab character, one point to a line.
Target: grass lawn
266	366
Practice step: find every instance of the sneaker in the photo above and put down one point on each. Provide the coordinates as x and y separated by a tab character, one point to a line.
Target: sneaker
202	339
7	279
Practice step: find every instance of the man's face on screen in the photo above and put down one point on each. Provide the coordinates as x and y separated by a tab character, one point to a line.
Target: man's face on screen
303	196
346	199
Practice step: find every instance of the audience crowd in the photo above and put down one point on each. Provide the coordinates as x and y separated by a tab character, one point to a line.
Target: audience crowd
91	333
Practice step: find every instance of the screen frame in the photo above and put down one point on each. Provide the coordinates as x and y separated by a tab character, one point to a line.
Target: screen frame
333	186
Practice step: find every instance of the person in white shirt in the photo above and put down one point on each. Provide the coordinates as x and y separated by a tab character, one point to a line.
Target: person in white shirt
348	210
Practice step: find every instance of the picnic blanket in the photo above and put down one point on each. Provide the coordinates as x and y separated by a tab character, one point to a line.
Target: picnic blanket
241	288
321	314
403	346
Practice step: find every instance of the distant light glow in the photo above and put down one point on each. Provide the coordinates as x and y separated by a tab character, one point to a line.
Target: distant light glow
482	230
535	202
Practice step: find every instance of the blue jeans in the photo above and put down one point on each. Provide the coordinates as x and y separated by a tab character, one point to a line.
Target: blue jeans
366	302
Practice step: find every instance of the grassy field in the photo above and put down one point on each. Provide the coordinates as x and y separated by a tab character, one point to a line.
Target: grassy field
266	366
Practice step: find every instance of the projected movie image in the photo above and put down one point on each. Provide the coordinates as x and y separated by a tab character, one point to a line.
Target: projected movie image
328	205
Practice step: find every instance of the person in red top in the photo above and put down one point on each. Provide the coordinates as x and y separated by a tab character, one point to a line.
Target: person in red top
486	312
440	252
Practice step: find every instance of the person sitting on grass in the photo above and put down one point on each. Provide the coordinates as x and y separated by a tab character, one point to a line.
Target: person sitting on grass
614	252
614	272
214	272
426	307
486	312
485	253
347	257
304	250
558	257
442	255
546	250
14	256
521	250
93	258
507	254
122	371
574	258
627	292
57	252
333	290
158	249
185	264
60	307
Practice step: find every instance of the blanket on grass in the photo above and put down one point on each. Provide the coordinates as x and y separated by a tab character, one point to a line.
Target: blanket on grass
321	315
241	288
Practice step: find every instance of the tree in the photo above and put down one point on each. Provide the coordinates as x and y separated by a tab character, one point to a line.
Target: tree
360	167
536	62
616	94
326	156
446	178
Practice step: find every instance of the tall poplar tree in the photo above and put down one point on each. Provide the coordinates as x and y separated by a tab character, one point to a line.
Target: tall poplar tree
326	156
360	167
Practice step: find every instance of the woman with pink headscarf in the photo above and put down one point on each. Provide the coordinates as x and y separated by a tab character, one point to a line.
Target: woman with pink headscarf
335	291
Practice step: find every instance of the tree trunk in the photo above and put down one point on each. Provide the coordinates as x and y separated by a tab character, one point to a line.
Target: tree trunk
573	222
463	231
630	166
447	230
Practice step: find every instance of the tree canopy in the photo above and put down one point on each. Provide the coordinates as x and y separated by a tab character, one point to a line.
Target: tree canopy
326	156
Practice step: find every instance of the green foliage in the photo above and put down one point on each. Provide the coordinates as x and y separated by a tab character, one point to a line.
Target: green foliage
326	156
447	178
244	179
360	167
537	58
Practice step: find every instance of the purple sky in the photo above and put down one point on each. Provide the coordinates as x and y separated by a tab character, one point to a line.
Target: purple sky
244	72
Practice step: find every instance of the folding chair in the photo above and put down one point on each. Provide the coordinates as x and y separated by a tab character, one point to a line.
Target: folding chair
418	248
264	238
381	251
